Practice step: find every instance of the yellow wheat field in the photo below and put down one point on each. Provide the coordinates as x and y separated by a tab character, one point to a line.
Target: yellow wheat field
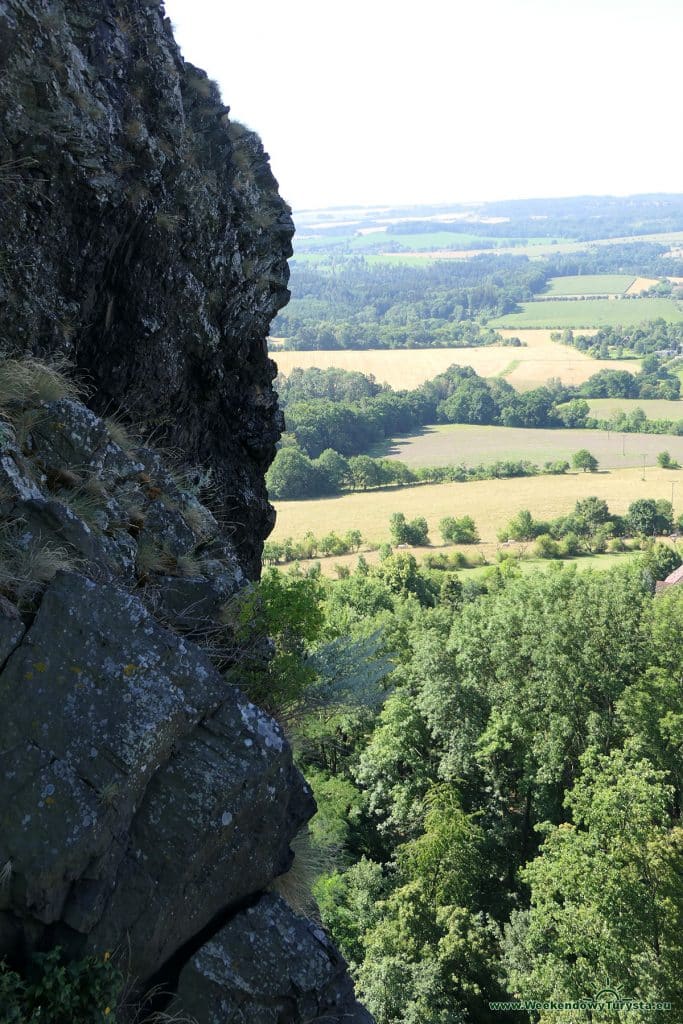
641	284
491	503
525	368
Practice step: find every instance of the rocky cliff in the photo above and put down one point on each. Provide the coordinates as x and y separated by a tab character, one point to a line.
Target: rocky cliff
142	235
146	805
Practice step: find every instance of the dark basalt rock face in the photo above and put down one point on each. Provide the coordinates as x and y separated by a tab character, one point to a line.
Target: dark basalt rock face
146	795
145	805
268	965
141	796
142	236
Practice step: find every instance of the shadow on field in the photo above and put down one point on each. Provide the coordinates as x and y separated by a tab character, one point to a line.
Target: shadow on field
385	449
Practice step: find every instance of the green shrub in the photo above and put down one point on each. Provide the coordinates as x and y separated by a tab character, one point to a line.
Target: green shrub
286	608
458	531
403	532
445	561
666	462
546	547
59	991
570	545
510	555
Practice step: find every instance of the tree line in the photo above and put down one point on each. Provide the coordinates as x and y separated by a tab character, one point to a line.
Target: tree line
293	475
589	529
651	339
649	259
459	395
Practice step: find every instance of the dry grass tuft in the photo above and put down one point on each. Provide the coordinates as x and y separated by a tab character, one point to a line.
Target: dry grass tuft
86	502
237	131
27	564
26	381
121	435
191	565
136	1009
296	886
169	221
153	558
95	486
5	875
200	521
200	85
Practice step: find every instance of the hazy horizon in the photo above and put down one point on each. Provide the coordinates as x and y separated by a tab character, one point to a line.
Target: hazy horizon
370	105
425	204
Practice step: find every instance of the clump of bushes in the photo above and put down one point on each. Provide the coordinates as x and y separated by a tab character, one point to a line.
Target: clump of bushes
59	991
415	532
666	462
458	531
591	528
310	546
446	561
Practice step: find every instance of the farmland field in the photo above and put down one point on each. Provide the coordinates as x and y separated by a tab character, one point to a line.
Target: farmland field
456	443
654	408
538	248
590	284
420	241
526	367
488	551
427	242
590	313
641	284
491	503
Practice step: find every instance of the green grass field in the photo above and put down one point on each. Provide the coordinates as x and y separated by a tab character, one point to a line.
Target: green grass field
590	313
537	248
424	241
654	408
455	443
590	284
526	565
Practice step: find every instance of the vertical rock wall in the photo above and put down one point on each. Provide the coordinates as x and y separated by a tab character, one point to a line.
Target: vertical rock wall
142	236
145	805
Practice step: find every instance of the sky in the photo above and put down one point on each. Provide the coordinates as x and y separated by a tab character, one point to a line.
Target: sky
446	101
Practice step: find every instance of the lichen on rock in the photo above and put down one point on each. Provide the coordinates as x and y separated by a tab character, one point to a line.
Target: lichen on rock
140	794
268	964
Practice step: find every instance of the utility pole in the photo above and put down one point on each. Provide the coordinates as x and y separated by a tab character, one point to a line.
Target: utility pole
644	457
